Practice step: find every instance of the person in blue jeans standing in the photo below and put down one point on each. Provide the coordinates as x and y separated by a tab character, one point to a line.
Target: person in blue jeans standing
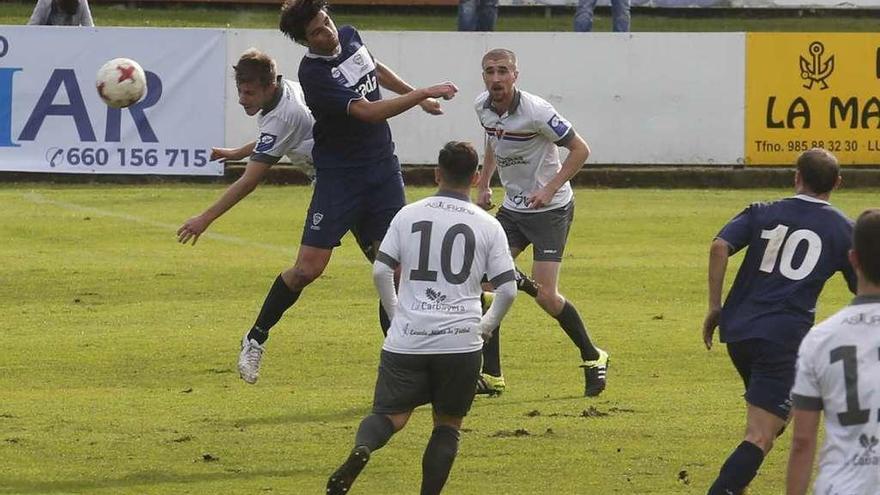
478	15
583	16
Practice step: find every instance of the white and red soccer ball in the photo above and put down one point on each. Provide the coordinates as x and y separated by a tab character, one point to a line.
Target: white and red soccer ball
121	82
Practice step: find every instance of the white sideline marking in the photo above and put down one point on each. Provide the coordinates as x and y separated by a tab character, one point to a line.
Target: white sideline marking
40	199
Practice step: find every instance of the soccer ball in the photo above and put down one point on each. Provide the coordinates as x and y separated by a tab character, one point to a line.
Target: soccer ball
121	82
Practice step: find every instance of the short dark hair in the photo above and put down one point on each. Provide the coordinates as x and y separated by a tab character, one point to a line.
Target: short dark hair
819	170
866	242
255	66
500	53
296	15
458	161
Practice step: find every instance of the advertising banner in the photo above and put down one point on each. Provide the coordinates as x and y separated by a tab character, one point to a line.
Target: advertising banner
52	119
812	90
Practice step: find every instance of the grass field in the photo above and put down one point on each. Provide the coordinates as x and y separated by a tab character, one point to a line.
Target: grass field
14	12
119	346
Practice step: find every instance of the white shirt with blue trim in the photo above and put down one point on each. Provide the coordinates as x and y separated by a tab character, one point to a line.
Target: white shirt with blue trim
526	141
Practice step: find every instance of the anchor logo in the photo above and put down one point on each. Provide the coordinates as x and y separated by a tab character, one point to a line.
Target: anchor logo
816	70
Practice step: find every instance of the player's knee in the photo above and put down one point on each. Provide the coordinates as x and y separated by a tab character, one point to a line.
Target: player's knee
549	300
763	439
303	274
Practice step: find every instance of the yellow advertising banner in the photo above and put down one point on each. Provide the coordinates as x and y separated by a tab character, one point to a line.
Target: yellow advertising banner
807	90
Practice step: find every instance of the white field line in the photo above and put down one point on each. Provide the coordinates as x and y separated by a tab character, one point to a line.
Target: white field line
170	228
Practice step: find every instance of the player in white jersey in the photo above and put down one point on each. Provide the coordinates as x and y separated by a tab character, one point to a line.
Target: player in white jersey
523	134
443	245
285	128
838	373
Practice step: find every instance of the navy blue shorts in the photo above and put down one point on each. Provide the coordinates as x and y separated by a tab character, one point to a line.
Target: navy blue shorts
767	371
361	199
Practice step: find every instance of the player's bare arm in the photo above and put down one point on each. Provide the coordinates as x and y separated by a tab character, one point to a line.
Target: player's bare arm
389	80
234	154
578	152
484	186
803	450
377	111
719	253
249	180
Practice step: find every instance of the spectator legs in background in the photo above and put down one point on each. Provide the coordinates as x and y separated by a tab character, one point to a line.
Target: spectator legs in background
620	16
487	14
583	16
477	15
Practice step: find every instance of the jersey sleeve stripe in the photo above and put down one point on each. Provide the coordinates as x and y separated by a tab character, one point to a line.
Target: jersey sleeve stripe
806	403
499	280
566	139
387	259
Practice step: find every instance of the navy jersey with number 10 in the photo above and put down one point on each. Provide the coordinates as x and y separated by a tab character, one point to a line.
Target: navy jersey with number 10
330	85
794	246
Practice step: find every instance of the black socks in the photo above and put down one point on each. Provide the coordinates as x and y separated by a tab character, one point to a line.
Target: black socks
279	298
571	322
438	458
738	470
374	432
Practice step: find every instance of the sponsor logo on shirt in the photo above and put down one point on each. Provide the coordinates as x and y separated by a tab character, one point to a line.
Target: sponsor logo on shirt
559	125
867	456
437	302
510	161
266	142
408	330
367	86
442	205
862	319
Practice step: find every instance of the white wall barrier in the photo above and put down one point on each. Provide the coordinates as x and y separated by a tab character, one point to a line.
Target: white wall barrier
640	98
52	120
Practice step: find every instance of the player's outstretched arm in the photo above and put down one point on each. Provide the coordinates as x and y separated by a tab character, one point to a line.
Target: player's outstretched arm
578	152
719	253
195	226
389	80
240	153
377	111
484	185
803	450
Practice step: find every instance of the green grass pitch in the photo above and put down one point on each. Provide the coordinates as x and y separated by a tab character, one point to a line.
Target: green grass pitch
117	371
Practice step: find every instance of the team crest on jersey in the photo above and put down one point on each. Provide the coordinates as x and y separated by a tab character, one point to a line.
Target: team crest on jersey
266	142
559	125
358	59
316	218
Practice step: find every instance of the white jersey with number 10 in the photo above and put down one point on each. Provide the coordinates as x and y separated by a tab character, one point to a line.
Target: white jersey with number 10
444	246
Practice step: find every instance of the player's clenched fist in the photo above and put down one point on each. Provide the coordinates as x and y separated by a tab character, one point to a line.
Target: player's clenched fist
446	90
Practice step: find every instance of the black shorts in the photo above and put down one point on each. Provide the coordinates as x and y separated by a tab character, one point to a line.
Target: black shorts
447	381
362	199
547	231
767	370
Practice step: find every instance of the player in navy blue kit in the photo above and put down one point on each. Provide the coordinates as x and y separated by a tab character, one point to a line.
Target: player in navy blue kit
358	184
794	246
